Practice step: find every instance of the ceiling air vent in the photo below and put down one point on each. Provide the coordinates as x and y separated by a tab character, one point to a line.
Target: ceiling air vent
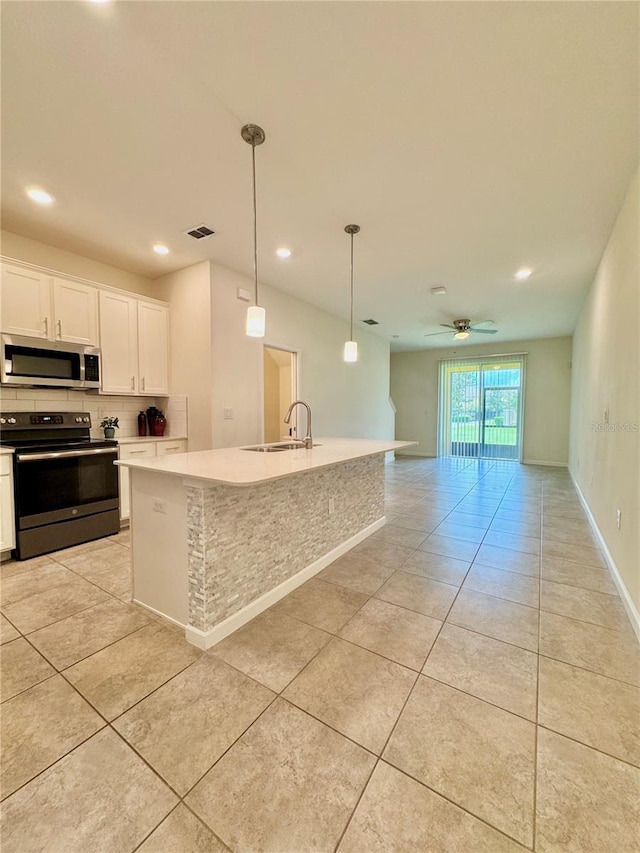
199	232
371	322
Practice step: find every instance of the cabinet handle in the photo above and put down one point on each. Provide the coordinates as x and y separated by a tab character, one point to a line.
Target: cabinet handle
46	327
133	383
59	328
134	452
143	383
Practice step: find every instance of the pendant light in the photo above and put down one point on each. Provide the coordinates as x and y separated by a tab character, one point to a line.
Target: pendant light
256	316
351	346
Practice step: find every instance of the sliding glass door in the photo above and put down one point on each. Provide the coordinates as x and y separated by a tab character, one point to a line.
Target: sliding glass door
480	407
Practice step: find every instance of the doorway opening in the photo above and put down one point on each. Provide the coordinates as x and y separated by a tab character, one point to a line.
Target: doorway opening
280	390
480	407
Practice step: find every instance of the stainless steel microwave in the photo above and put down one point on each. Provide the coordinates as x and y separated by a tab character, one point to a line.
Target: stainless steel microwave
56	364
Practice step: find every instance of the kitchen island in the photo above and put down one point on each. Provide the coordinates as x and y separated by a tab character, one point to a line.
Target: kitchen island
220	535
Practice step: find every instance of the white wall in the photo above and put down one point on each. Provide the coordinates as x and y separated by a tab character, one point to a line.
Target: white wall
189	293
605	461
414	388
21	248
347	400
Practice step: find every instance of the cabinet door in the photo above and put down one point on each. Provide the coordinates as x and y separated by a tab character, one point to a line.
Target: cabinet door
153	348
144	450
75	312
7	522
119	343
26	303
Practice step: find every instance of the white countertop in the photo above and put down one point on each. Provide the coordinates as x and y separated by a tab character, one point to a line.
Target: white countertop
134	439
236	467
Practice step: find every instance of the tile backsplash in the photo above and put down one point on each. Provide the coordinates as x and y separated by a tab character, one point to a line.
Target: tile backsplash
98	406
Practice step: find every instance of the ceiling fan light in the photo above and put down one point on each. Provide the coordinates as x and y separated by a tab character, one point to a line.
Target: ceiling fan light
461	336
351	351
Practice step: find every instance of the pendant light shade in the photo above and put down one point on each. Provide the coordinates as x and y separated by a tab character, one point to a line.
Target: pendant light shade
256	321
256	316
351	347
350	351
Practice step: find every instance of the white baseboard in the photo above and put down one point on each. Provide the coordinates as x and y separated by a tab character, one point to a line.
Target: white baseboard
157	612
627	601
206	639
416	453
544	462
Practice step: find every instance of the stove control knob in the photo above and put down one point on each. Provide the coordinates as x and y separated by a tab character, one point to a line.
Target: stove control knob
78	420
11	420
3	420
86	419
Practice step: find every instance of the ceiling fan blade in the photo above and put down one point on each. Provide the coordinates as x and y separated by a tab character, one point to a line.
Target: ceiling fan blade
481	323
447	326
484	331
431	334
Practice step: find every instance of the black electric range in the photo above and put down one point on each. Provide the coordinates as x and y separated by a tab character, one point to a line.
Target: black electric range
65	481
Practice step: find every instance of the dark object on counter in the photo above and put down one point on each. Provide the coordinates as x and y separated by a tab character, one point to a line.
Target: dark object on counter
158	425
152	414
142	424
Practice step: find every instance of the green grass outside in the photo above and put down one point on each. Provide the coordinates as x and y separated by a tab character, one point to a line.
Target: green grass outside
470	432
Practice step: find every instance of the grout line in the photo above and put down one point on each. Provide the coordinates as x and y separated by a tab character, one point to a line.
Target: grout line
456	805
355	807
535	743
138	846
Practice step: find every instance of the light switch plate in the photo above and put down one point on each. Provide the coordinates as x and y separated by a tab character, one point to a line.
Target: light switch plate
228	413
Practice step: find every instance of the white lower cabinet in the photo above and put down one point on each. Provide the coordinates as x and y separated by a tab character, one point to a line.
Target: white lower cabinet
7	521
144	450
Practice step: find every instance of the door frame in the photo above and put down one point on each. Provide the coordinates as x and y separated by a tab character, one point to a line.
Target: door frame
483	425
295	382
443	420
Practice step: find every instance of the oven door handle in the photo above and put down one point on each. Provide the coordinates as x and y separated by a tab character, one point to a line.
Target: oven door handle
65	454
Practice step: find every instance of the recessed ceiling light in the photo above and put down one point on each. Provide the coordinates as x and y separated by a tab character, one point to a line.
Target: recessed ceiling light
523	273
160	249
40	196
283	252
438	291
98	1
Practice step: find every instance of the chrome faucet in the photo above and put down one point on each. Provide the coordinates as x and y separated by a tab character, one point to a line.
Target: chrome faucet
307	440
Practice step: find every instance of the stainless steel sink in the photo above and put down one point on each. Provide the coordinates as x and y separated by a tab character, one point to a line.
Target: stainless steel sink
265	448
276	448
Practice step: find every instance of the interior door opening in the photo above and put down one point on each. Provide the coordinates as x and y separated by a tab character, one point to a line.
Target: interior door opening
480	408
280	390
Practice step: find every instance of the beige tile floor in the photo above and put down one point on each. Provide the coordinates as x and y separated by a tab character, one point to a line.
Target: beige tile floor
464	681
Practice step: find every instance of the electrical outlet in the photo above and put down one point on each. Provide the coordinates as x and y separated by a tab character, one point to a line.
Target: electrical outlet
159	506
228	413
618	517
332	506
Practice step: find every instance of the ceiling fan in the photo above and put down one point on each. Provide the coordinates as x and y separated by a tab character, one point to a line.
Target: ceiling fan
463	328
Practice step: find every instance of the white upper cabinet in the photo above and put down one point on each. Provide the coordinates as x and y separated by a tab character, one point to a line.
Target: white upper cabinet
75	311
134	339
26	303
56	309
153	348
119	343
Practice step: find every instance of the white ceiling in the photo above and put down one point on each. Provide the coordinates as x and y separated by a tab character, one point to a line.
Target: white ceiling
467	139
